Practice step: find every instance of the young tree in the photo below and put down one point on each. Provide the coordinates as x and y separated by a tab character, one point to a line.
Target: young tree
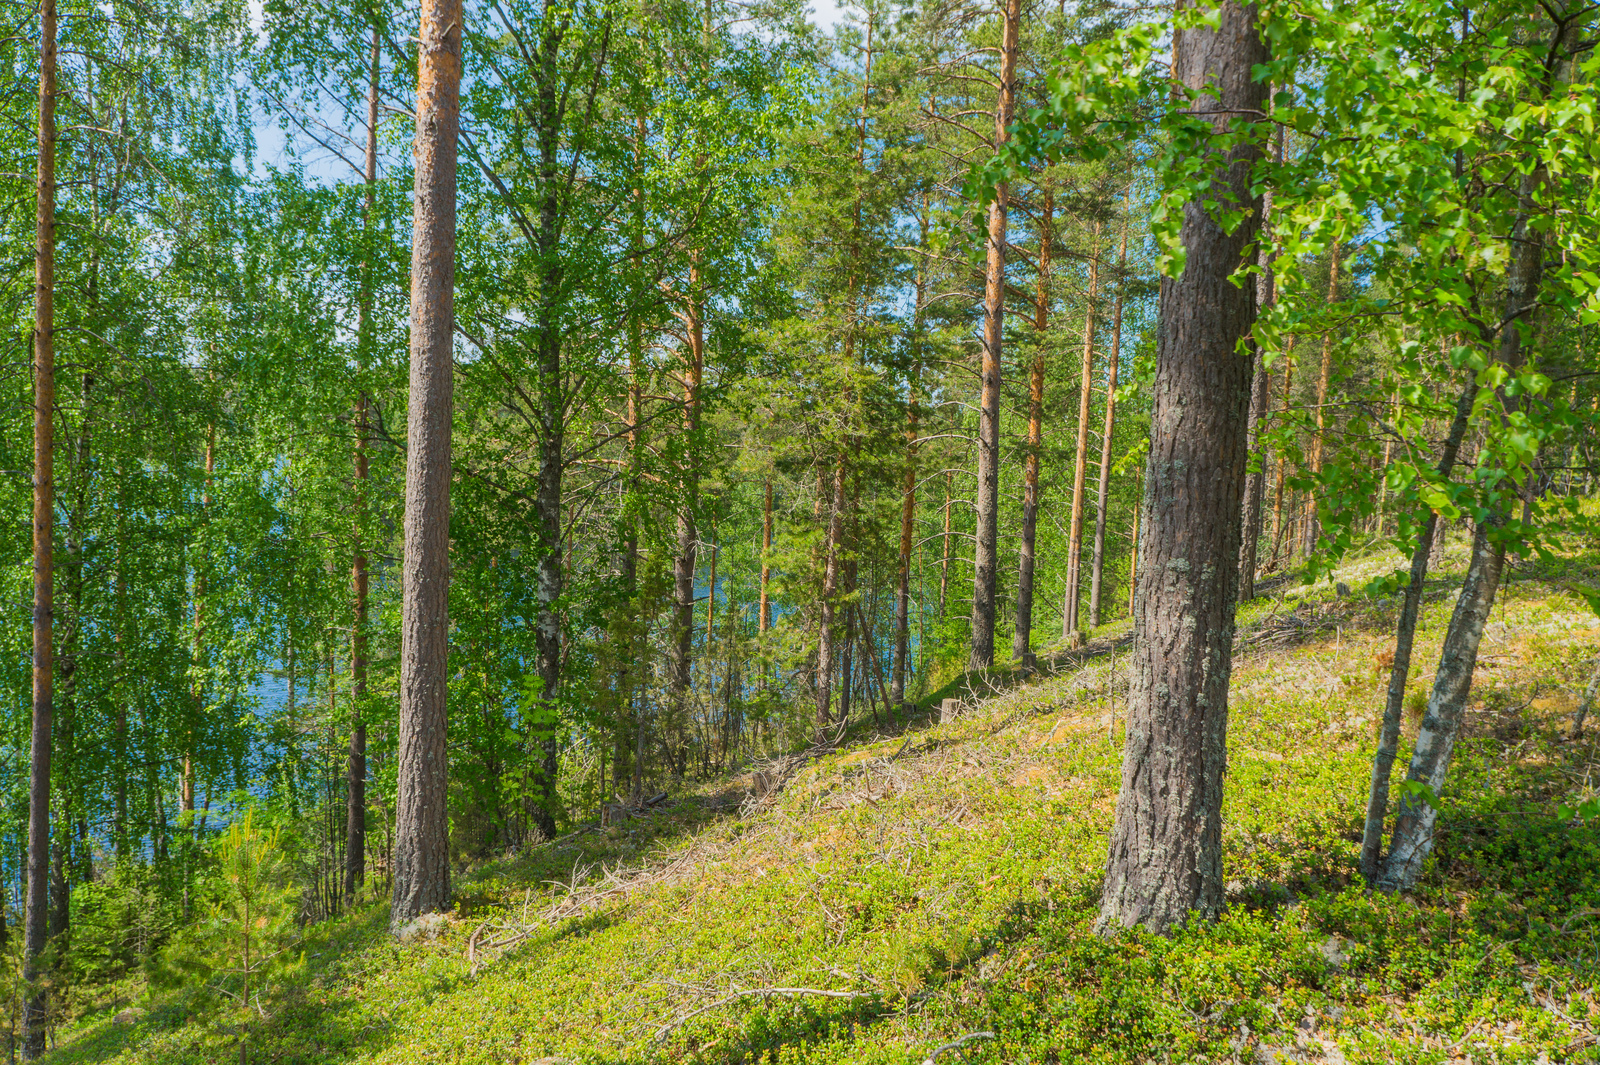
422	846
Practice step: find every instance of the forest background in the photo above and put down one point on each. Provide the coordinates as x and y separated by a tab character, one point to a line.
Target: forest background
753	435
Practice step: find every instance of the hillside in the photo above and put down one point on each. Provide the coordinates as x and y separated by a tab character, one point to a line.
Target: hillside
909	889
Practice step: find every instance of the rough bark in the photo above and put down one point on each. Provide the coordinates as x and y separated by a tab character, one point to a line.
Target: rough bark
1404	639
36	918
421	849
1166	847
1022	634
1097	567
355	834
985	555
1080	471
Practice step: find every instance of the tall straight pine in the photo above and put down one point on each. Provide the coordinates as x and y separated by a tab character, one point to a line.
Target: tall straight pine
1166	847
421	849
34	1021
985	557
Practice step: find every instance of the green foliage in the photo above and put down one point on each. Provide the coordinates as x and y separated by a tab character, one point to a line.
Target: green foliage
245	938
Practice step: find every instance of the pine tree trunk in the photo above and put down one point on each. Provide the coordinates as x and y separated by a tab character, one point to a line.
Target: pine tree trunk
1097	571
985	557
422	846
36	919
1022	634
355	857
1069	620
1166	847
1404	639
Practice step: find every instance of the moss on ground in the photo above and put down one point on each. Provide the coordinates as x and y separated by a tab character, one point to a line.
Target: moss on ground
941	881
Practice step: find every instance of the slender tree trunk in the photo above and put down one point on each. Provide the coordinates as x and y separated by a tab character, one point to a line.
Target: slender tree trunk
627	685
908	494
1022	634
764	607
552	402
1414	822
1312	528
1412	840
908	516
422	846
1102	496
197	691
119	765
1260	404
985	558
830	594
711	588
944	542
36	933
1166	847
1281	474
1069	620
1133	547
355	870
1404	639
683	565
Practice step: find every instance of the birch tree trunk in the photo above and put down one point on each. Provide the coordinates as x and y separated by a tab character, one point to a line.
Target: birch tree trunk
1404	639
1097	569
1312	527
422	847
1412	840
985	556
37	916
1165	857
355	834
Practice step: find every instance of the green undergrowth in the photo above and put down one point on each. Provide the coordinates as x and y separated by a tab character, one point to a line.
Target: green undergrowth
941	882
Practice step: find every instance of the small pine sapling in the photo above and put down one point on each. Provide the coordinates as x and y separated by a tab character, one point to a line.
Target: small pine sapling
246	937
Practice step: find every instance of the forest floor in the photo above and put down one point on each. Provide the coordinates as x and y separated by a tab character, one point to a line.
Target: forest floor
914	888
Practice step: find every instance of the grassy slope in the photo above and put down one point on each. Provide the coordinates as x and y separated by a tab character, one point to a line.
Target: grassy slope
947	877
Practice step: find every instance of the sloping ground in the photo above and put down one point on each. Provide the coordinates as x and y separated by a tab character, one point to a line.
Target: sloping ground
892	898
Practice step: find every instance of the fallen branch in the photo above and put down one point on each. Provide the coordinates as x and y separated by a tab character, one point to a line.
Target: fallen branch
933	1059
756	992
